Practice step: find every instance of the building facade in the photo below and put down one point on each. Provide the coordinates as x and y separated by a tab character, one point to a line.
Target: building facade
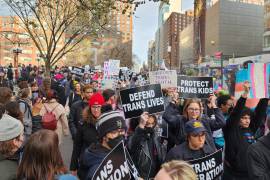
173	26
234	28
151	55
266	35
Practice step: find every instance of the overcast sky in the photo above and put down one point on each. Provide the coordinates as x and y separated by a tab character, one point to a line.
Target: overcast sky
145	25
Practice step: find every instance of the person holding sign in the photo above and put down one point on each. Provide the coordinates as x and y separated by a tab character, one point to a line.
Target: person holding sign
196	145
239	132
111	129
145	147
193	111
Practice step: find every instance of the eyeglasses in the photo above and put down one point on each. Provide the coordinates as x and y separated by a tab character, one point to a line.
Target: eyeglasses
193	109
96	107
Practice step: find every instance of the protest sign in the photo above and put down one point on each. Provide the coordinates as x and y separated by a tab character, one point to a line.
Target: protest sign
106	68
114	67
194	87
167	79
209	167
109	82
145	98
162	128
77	71
132	168
114	166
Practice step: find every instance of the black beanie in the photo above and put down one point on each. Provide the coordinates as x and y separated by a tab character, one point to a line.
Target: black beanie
110	121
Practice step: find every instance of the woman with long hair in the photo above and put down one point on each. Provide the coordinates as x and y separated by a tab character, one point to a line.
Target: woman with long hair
86	132
51	105
192	110
42	159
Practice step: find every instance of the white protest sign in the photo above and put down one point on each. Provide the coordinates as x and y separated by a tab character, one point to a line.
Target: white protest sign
166	79
114	67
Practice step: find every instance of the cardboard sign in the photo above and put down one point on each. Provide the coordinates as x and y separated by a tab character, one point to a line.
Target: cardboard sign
106	68
77	71
148	98
109	82
210	167
114	166
167	79
194	87
114	67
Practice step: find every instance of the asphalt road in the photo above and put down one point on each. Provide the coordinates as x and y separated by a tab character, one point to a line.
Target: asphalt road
66	150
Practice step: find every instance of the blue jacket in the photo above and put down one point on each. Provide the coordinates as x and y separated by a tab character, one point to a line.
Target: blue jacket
90	161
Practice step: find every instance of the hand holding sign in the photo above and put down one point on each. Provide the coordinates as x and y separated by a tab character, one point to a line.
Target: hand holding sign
212	101
143	119
246	87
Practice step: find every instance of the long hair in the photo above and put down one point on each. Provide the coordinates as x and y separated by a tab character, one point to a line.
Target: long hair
41	159
187	104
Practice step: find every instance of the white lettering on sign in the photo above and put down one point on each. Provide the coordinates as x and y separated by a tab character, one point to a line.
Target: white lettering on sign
142	95
113	174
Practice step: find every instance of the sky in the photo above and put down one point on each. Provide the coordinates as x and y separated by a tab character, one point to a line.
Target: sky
145	23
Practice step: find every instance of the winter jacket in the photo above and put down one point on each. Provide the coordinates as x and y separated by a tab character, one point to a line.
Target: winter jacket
258	159
177	126
73	97
171	114
59	111
90	161
6	83
235	144
183	152
75	116
85	136
147	152
8	168
25	108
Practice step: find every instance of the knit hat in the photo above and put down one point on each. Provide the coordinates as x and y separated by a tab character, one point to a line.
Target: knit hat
108	93
96	99
110	121
194	127
10	128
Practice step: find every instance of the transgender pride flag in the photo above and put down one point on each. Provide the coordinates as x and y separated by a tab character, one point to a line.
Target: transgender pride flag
258	76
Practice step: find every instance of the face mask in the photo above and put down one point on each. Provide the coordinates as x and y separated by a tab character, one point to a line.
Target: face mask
113	142
230	110
149	130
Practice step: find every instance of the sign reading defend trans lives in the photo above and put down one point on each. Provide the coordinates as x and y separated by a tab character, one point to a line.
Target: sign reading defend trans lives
194	87
137	100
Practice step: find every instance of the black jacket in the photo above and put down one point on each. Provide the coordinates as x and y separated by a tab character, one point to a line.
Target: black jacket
258	159
176	125
75	116
183	152
235	144
146	159
91	159
86	135
171	114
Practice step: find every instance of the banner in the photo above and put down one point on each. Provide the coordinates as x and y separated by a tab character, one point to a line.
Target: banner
114	67
106	68
209	167
77	71
114	166
194	87
137	100
167	78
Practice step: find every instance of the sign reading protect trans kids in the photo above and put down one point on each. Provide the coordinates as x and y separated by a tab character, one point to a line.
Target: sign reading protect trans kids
148	98
194	87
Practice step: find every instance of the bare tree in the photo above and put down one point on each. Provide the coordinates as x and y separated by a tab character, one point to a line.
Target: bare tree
56	27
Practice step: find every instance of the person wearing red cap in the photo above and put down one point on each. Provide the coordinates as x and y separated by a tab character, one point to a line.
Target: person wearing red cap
86	131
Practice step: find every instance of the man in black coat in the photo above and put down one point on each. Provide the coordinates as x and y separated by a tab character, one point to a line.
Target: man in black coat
258	158
77	108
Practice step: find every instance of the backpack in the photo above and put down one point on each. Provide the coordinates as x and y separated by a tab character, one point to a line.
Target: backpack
26	107
49	120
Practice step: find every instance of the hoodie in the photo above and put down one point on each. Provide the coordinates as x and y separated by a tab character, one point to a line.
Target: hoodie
90	161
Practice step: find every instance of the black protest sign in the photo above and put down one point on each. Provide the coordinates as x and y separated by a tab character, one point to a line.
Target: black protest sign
162	129
194	87
137	100
210	167
132	168
78	71
114	166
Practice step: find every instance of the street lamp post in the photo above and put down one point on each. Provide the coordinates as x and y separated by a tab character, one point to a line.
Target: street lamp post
169	51
16	52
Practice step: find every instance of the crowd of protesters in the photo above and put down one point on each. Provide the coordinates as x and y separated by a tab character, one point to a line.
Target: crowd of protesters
36	111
